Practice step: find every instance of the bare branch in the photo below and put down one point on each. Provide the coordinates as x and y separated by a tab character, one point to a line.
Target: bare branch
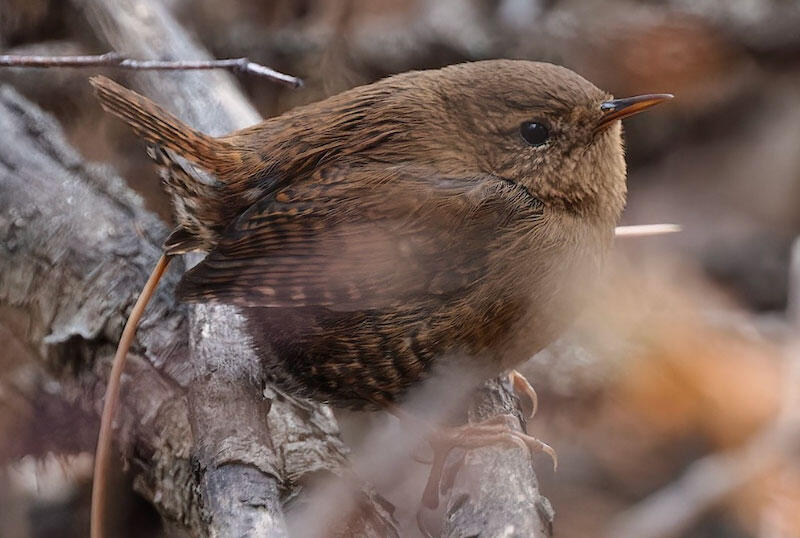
119	61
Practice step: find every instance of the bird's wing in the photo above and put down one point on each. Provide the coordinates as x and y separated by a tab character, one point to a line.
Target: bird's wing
362	240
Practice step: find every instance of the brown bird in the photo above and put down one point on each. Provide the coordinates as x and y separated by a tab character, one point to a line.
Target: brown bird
452	216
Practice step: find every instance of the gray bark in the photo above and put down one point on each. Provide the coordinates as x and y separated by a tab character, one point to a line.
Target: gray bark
77	246
495	492
239	483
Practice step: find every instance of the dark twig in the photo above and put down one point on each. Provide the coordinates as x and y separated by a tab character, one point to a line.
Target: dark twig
113	59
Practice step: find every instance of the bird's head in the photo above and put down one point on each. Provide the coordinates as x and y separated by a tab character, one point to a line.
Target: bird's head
537	124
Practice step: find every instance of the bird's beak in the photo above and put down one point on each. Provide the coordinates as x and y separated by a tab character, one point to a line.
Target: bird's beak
617	109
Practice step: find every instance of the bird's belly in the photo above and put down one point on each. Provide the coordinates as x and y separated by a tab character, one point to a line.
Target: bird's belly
531	335
348	359
553	301
370	358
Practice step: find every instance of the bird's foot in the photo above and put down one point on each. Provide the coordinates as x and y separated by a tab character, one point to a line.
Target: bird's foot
497	430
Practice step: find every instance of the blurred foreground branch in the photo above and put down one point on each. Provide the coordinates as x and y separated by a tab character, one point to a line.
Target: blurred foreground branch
675	508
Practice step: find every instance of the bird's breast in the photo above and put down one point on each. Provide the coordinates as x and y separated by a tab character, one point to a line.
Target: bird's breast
558	274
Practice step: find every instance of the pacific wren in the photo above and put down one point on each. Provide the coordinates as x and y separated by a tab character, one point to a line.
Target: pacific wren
452	212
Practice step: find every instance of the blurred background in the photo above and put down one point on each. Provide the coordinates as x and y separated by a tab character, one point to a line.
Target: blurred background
674	404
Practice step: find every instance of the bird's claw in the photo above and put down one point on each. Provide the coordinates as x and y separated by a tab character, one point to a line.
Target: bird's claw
522	388
496	430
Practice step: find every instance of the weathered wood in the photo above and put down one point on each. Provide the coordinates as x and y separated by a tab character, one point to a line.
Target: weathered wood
76	247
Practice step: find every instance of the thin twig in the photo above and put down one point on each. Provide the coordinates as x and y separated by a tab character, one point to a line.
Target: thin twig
113	59
642	230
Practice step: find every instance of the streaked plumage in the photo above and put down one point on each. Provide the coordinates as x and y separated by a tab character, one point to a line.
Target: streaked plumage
366	235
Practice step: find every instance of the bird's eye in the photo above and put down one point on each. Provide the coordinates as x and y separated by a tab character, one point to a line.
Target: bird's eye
534	133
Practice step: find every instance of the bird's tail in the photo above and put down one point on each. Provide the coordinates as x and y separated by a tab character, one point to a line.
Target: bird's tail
198	170
156	125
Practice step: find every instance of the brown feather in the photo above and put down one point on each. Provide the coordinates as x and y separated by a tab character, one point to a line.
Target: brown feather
370	234
158	126
396	245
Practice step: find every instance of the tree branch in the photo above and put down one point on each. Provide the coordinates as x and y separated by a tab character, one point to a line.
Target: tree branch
246	445
495	491
70	226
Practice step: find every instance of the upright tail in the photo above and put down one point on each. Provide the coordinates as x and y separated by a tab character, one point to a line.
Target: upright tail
203	205
158	126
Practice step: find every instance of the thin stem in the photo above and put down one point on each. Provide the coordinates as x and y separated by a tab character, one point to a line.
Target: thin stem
102	456
113	59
